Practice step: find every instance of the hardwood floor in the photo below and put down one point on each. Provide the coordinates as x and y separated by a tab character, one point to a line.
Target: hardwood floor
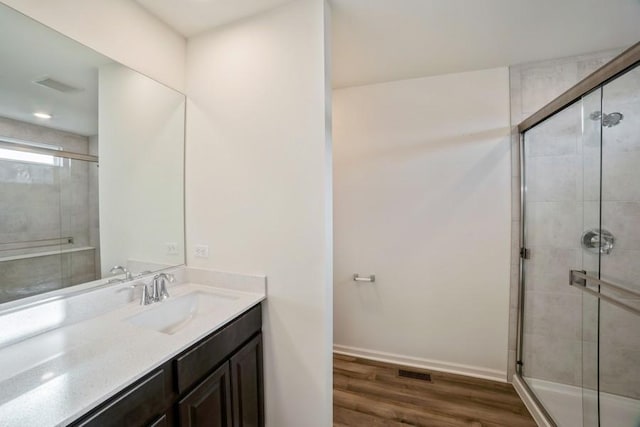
368	393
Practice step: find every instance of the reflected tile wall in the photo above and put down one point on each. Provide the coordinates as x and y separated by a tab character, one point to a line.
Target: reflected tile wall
33	213
531	87
31	276
29	132
42	202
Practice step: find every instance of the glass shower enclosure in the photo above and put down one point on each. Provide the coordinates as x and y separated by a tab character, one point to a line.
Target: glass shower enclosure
579	342
49	225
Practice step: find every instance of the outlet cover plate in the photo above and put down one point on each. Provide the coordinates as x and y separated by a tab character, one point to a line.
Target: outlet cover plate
202	251
172	248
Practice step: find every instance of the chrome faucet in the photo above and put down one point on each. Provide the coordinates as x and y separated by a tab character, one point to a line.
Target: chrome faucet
159	285
127	274
156	291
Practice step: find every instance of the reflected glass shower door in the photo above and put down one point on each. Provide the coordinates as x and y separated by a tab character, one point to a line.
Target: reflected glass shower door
79	204
30	221
49	237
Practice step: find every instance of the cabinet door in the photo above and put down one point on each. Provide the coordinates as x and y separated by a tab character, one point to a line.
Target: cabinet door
247	386
209	404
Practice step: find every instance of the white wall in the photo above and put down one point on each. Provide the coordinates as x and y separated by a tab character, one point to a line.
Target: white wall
422	200
120	29
141	172
258	189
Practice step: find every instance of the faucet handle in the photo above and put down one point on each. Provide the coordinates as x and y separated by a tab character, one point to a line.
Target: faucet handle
167	276
160	285
164	293
146	297
142	273
127	273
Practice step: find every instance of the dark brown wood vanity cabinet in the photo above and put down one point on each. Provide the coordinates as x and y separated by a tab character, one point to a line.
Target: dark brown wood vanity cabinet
217	382
232	396
209	404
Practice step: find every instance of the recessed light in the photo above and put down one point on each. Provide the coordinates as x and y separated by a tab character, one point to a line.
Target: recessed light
43	115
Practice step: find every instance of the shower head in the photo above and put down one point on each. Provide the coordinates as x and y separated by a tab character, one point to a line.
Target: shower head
608	120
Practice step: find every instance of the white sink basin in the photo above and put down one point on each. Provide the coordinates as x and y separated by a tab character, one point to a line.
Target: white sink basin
174	314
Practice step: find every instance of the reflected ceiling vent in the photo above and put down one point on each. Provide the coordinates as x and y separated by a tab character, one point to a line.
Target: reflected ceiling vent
57	85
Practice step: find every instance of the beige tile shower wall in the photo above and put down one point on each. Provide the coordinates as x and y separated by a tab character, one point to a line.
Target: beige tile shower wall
562	342
532	86
619	337
554	210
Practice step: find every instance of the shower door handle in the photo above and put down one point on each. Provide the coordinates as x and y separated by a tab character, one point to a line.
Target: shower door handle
580	279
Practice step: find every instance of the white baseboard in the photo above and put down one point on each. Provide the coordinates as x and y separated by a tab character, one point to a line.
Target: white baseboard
416	362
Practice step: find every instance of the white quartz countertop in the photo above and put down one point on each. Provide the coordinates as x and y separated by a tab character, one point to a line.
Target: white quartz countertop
54	378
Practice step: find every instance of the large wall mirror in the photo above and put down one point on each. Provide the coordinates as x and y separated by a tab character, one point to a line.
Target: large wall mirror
91	165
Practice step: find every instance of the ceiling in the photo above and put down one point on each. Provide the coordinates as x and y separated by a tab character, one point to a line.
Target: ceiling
31	51
190	17
384	40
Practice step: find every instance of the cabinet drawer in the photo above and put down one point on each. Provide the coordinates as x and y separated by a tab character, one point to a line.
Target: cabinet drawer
133	407
203	358
160	422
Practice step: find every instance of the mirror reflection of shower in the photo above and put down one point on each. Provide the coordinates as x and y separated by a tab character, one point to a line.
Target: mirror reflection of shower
608	120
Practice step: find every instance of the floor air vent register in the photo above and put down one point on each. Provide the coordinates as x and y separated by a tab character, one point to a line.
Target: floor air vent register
422	376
